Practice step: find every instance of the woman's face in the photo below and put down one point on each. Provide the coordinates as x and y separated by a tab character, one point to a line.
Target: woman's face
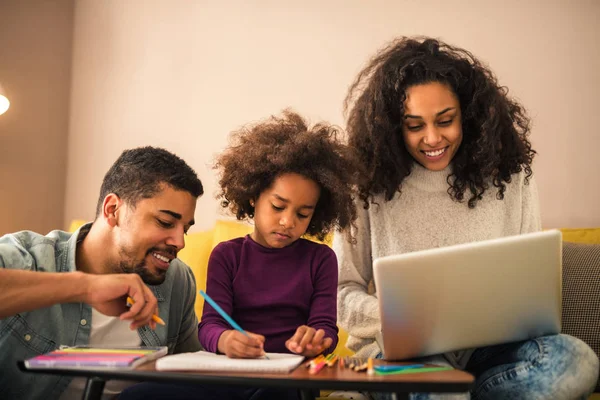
432	128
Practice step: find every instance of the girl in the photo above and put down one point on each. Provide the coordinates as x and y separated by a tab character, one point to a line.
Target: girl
292	181
446	160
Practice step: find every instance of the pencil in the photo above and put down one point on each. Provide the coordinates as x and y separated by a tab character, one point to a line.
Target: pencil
155	317
316	368
332	360
315	361
224	315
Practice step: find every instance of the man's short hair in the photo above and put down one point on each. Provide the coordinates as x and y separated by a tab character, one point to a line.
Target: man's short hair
138	174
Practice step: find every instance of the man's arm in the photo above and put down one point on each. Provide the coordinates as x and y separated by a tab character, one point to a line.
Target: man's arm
22	291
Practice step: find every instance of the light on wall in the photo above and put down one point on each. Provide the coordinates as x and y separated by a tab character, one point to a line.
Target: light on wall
4	103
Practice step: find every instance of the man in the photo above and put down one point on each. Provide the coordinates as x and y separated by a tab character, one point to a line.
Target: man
71	289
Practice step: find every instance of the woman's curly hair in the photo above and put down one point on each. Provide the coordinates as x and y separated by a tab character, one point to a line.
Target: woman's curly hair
495	127
261	152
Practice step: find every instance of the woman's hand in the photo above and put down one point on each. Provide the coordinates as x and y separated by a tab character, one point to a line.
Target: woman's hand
308	342
235	344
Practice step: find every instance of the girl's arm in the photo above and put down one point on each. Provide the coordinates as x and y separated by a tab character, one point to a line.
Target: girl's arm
323	308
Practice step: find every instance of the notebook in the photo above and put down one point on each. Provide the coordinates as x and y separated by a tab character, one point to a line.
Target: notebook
206	361
469	295
83	357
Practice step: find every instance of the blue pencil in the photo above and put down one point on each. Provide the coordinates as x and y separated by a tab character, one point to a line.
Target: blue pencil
224	315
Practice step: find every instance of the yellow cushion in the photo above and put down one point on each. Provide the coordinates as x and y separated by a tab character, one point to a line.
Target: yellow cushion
227	230
583	235
196	252
198	247
341	348
76	224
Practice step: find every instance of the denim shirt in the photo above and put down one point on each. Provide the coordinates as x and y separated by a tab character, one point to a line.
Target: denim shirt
32	333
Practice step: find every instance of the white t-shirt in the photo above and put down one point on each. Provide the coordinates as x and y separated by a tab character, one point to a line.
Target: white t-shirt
106	331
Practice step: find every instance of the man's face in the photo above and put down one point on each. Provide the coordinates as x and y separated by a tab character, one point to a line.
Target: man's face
150	234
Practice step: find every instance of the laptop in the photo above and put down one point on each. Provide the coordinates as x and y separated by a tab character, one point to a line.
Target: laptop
469	295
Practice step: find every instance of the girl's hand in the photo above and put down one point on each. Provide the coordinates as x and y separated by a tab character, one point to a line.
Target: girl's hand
308	342
235	344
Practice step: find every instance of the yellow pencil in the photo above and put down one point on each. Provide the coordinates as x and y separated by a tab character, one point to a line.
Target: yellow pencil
155	317
332	360
315	361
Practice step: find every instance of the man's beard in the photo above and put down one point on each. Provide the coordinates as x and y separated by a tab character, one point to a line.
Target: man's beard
128	265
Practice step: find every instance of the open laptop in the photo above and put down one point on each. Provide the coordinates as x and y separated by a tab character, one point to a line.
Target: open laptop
470	295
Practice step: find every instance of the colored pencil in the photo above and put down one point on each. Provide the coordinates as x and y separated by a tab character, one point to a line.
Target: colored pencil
155	317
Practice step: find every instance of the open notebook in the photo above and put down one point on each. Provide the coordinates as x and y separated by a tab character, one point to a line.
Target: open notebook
205	361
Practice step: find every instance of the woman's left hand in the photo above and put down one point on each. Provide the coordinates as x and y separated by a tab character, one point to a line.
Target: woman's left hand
308	342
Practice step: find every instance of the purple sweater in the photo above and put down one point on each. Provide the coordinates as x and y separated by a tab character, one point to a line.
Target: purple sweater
271	291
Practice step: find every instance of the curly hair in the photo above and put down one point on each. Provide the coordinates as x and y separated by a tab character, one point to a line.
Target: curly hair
495	127
259	153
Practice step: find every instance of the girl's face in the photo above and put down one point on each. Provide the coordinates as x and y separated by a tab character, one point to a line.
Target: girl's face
283	211
432	128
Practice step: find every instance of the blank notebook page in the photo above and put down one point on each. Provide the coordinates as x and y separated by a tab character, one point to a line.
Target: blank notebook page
205	361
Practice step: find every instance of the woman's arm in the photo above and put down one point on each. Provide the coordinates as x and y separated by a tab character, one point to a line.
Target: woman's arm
358	311
530	208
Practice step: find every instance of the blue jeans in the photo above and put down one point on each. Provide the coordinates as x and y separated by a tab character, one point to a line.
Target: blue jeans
556	367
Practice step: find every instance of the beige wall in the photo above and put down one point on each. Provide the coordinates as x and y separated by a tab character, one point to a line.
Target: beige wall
183	73
35	70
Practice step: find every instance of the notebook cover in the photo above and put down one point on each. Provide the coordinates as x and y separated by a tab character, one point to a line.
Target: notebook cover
96	357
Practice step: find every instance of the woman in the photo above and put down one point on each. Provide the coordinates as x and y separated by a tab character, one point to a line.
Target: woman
446	160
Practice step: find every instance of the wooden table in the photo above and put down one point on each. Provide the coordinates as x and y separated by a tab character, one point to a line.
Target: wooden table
329	378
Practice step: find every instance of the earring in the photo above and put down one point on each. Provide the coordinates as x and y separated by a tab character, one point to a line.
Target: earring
252	203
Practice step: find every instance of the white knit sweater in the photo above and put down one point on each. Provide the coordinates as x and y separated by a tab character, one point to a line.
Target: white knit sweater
423	216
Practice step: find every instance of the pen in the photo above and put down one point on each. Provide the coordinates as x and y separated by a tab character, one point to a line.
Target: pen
224	315
155	317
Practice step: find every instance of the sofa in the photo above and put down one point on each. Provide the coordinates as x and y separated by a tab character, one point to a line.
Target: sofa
581	277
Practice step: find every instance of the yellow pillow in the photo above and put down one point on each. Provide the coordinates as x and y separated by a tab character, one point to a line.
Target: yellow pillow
230	229
341	348
196	252
581	235
76	224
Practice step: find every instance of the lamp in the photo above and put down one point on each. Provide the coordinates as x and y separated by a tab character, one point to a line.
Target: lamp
4	103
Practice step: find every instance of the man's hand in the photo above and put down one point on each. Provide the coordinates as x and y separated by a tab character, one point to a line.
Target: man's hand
308	342
235	344
108	294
